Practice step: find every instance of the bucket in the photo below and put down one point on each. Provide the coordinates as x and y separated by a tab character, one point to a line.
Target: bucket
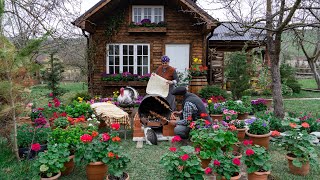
197	83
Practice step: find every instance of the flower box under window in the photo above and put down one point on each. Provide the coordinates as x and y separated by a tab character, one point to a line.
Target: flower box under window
147	29
125	83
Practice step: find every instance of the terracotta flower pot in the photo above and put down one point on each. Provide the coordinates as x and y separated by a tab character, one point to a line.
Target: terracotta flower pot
304	170
69	166
205	163
236	147
241	134
262	140
96	171
258	175
125	178
243	116
232	178
53	177
219	117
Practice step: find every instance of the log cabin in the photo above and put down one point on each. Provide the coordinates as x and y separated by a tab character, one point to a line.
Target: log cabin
132	35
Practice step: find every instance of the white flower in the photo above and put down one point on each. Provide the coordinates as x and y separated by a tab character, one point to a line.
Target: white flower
98	122
90	124
93	115
89	119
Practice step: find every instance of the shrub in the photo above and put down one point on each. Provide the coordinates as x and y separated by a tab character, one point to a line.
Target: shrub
84	95
288	78
61	122
209	91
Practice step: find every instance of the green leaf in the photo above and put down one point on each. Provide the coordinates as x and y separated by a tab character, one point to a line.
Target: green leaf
258	161
44	168
296	163
186	174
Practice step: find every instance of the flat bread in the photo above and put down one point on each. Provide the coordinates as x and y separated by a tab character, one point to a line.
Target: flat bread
157	85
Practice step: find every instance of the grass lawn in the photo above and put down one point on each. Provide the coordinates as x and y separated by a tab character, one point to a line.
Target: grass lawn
308	83
302	106
144	164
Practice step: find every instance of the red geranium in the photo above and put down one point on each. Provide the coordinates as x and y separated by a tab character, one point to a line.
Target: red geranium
86	138
116	139
275	133
236	161
105	137
173	149
249	152
247	142
216	163
176	139
305	125
94	134
110	154
203	115
197	149
208	170
115	126
184	157
35	147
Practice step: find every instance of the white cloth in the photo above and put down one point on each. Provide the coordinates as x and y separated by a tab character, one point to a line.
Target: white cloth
157	85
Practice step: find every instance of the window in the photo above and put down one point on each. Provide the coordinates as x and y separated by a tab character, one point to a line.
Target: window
154	13
133	58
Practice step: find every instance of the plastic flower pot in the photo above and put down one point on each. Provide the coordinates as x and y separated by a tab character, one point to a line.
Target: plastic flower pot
258	175
304	170
96	171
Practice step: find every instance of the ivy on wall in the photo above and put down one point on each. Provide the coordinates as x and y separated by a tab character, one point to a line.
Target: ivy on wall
113	24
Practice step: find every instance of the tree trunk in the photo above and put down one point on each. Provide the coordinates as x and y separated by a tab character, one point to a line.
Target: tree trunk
316	74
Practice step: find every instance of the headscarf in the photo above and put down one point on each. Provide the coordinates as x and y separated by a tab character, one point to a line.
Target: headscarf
165	59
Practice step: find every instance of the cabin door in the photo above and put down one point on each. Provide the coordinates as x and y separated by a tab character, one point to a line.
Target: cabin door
179	55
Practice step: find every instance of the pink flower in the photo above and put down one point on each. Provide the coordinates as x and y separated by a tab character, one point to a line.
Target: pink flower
215	126
115	126
247	142
51	94
176	139
249	152
49	105
35	147
86	138
173	149
192	125
197	149
208	170
184	157
216	163
236	161
105	137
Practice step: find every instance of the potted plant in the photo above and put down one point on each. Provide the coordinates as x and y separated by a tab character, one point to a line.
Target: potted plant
257	160
96	150
229	115
51	162
61	122
182	163
259	105
259	131
117	163
215	110
299	146
225	166
78	108
207	138
240	125
28	135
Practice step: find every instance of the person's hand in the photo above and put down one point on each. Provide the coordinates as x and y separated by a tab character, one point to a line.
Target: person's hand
169	82
173	122
176	112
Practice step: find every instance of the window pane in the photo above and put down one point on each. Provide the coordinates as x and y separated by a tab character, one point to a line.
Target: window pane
139	60
125	60
111	69
117	70
125	69
125	49
139	70
131	60
131	50
145	70
139	50
131	69
116	49
145	50
111	50
156	11
117	60
111	60
145	60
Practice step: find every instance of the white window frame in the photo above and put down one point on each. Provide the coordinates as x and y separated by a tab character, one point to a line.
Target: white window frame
152	12
135	57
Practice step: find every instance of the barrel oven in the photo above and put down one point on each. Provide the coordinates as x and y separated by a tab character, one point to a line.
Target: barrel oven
154	111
